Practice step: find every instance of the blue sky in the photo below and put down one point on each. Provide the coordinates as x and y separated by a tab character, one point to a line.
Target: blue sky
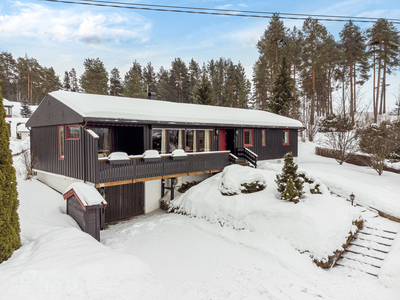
63	35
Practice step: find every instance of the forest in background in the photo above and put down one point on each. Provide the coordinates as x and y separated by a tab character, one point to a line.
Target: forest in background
296	74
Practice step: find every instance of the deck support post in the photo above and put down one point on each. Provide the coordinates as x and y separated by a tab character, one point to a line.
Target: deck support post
162	188
171	188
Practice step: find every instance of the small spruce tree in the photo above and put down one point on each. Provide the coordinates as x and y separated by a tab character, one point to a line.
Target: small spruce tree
289	172
26	111
291	193
9	220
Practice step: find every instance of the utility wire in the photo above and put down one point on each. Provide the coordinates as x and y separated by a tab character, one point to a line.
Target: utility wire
217	12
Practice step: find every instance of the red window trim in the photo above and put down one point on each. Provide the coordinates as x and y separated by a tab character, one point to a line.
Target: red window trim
67	133
59	144
264	135
283	139
252	138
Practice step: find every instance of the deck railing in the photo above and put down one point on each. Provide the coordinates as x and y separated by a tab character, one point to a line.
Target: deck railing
137	169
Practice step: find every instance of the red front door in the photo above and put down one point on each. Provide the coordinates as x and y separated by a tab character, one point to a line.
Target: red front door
222	140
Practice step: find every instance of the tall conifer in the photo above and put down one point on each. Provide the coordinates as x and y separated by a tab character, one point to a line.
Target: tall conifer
9	220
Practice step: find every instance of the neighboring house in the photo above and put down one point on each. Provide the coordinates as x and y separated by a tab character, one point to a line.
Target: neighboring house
22	131
73	135
8	107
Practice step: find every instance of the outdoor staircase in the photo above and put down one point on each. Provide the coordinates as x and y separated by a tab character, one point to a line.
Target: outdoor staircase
370	245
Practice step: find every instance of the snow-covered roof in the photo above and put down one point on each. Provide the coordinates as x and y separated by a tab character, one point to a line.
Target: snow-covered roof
113	108
87	195
22	128
7	103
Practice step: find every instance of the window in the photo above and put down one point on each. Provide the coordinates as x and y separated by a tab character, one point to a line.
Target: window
175	139
73	132
248	138
286	137
104	141
190	141
60	142
264	137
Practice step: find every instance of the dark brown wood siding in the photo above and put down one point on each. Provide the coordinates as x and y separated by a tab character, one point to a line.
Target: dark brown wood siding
53	112
80	156
124	201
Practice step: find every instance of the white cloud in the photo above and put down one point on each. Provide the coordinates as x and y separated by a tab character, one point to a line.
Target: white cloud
43	23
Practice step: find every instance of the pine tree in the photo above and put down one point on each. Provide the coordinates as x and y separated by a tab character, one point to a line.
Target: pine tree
289	171
133	83
95	78
9	220
281	102
26	111
291	193
73	81
116	88
203	91
149	78
66	84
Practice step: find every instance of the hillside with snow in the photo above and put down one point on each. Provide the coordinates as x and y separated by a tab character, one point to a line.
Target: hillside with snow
248	246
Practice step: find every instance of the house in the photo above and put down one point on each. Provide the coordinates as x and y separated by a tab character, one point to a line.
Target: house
8	107
132	150
22	131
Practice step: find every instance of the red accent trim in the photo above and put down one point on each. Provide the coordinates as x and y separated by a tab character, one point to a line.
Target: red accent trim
71	192
283	137
244	137
59	146
67	133
264	135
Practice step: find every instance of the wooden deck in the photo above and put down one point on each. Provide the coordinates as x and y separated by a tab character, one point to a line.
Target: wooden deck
137	170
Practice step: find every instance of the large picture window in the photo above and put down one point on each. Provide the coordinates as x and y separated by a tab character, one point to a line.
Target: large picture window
248	138
168	140
104	141
61	140
286	137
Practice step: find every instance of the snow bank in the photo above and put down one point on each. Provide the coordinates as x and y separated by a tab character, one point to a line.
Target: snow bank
318	224
69	264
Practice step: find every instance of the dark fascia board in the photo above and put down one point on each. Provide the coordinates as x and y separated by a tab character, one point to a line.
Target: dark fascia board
162	123
53	112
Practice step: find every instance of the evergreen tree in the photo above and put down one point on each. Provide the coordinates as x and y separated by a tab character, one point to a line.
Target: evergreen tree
163	86
95	77
9	220
180	79
149	78
355	60
26	111
73	81
291	193
314	34
66	83
8	76
133	83
384	48
194	76
203	91
289	172
116	88
282	98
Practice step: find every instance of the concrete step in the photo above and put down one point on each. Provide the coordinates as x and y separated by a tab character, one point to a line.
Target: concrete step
366	251
360	266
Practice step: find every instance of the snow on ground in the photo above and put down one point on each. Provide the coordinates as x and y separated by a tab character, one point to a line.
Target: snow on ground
172	256
380	192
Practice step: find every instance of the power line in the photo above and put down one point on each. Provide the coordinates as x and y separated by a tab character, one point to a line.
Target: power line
217	12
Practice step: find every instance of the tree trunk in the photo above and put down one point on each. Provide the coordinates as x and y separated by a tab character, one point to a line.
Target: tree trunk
351	93
313	90
374	100
379	74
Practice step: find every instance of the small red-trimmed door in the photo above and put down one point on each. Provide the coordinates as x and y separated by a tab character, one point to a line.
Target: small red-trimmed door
222	140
